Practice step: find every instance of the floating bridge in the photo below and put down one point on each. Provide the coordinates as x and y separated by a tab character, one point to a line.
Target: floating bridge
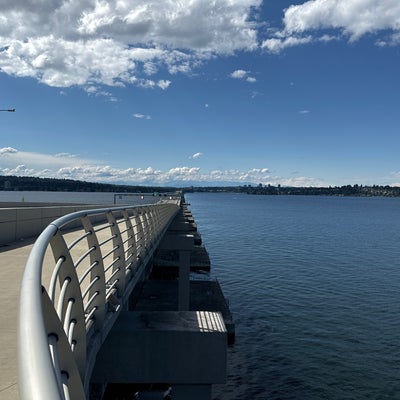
107	303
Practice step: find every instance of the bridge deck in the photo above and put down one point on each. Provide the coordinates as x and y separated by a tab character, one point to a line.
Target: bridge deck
13	259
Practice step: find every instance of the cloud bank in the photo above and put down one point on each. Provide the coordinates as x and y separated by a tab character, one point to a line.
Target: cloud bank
325	20
64	43
118	42
68	166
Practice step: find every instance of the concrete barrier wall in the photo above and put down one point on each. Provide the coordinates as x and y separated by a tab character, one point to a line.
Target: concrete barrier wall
27	222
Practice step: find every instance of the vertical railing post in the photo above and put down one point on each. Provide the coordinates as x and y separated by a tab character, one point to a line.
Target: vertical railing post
140	234
68	278
130	247
118	255
96	273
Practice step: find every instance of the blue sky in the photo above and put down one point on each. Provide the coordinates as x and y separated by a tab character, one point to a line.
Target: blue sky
300	93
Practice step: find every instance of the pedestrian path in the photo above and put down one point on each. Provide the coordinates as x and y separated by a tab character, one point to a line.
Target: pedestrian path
12	263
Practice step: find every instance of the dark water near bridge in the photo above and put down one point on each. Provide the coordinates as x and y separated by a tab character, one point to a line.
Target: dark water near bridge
314	286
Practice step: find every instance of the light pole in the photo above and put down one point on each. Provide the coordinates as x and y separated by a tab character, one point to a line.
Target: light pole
9	110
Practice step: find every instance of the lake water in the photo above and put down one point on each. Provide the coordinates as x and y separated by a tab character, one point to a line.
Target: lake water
314	287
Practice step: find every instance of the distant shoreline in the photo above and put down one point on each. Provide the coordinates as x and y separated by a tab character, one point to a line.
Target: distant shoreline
340	191
16	183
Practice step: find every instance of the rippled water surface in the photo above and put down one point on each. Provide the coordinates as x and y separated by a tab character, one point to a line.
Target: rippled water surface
314	286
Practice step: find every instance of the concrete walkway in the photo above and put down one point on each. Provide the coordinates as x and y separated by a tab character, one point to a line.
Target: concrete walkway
12	263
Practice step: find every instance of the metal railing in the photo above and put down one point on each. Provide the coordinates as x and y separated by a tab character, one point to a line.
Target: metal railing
142	198
78	277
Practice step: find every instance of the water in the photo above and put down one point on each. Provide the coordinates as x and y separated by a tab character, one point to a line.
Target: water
313	284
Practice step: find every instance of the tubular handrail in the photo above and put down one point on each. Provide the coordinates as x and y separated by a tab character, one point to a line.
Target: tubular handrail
78	277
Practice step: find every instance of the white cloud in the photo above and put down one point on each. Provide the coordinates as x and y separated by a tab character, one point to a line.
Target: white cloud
393	40
91	89
395	178
7	150
97	91
238	74
351	19
354	17
141	116
259	170
303	112
183	174
242	74
150	84
163	84
275	45
299	181
82	42
65	155
255	94
196	155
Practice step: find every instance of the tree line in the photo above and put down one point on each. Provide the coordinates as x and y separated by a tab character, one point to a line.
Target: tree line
346	190
29	183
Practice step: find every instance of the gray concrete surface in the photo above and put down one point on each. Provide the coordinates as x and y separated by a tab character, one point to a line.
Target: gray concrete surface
18	222
12	264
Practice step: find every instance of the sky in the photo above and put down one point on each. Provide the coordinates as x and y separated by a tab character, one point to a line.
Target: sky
201	92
